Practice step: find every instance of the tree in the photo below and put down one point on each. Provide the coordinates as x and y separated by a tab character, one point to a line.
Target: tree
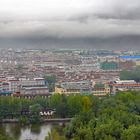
26	103
131	75
50	81
113	128
15	106
42	101
132	133
4	137
86	103
35	109
84	133
54	135
95	102
62	110
74	105
54	100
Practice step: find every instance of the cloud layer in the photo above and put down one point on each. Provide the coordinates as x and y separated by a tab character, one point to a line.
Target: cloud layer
67	19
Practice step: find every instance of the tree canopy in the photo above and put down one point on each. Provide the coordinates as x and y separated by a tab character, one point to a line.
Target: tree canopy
112	118
131	75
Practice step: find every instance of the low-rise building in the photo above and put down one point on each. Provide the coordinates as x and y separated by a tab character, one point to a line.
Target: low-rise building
6	93
101	90
74	87
16	84
34	90
124	86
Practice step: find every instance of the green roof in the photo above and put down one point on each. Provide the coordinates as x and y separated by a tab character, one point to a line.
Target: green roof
5	92
99	85
109	65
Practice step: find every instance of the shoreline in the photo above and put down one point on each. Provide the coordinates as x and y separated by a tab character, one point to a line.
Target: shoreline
45	120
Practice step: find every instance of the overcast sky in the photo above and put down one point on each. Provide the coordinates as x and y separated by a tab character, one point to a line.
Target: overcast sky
69	19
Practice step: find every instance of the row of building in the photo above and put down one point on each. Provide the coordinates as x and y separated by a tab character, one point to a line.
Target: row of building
21	87
37	87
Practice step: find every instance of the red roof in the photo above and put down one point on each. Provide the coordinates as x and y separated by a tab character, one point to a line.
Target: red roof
134	85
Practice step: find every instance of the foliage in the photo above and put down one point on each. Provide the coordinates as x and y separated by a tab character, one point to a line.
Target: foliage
50	81
86	103
74	105
111	128
111	118
116	118
34	110
54	135
132	133
131	75
5	137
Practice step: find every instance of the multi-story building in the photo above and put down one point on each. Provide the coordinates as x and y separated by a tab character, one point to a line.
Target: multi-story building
34	90
16	84
13	85
74	87
124	85
34	82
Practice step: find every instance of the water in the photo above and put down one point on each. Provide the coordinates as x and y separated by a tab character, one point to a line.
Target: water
30	132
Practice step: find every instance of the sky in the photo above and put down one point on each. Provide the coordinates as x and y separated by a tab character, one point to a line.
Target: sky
70	23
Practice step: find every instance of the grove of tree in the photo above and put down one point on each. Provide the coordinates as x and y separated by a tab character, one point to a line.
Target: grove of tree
111	118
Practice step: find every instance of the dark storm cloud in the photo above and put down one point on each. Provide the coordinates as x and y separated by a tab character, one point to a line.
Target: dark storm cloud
83	21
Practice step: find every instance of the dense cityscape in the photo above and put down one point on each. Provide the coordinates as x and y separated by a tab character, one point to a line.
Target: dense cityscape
29	72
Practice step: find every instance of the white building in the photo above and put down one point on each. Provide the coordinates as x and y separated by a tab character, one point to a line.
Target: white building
125	82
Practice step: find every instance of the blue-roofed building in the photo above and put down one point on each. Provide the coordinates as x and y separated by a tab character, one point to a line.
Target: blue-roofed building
130	57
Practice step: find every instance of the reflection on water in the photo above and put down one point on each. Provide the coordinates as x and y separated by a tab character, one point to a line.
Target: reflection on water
30	132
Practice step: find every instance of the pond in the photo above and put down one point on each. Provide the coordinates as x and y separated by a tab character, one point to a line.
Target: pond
29	132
